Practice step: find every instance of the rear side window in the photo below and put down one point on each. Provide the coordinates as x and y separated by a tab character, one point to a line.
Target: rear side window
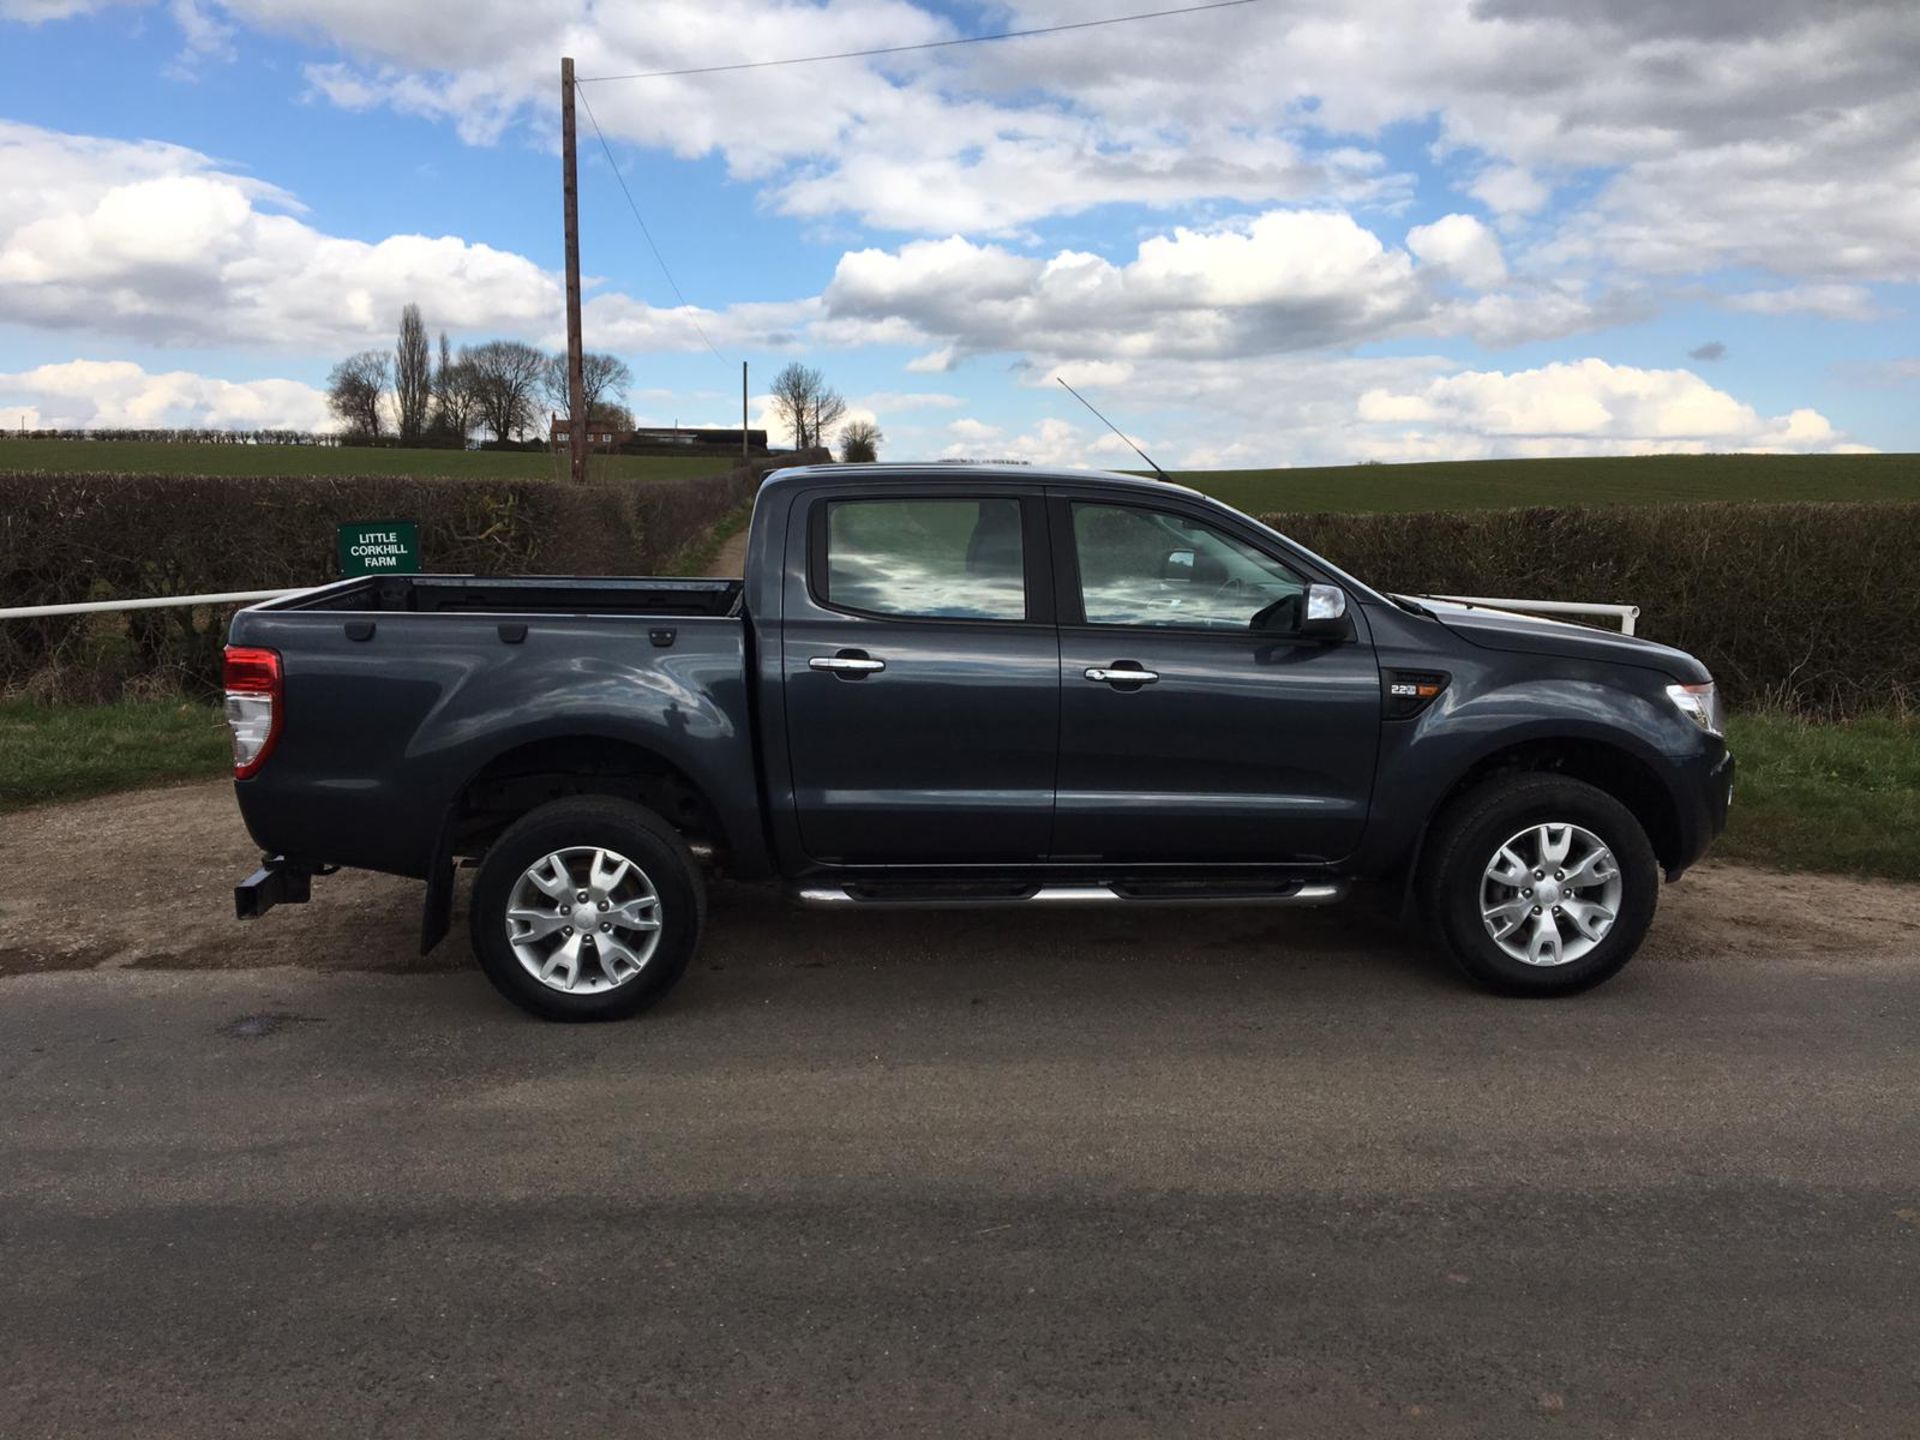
935	559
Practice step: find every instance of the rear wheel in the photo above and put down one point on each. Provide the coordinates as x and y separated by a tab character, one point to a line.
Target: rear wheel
587	909
1539	884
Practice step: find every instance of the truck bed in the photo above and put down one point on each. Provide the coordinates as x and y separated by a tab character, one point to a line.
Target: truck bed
521	595
402	692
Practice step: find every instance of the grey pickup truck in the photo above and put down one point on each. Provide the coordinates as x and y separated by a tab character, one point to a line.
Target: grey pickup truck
963	686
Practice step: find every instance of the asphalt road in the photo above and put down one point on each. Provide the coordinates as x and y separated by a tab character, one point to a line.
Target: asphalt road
1122	1175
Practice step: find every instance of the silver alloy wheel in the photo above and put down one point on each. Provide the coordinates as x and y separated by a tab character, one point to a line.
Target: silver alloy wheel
583	920
1550	894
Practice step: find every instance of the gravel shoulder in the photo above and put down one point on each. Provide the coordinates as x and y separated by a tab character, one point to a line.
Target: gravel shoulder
158	867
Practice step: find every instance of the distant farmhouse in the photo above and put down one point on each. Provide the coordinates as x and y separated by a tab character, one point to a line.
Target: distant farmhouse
676	440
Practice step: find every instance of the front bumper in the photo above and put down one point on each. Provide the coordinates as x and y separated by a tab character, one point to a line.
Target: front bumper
1702	797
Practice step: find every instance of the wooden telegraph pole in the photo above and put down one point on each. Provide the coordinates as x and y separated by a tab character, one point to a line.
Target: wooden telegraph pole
576	372
746	452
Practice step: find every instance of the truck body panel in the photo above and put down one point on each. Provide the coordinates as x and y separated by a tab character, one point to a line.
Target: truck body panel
928	672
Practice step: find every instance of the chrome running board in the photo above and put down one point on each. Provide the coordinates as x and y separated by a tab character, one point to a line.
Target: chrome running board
895	896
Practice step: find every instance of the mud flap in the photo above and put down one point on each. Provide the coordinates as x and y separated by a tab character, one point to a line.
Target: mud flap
436	911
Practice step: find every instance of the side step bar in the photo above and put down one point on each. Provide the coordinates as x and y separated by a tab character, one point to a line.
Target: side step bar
841	897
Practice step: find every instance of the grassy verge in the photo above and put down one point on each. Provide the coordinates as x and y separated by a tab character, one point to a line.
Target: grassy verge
64	752
1842	798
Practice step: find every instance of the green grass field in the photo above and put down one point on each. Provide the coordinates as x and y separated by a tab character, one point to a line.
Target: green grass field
1809	796
64	752
164	459
1467	484
1840	798
1635	480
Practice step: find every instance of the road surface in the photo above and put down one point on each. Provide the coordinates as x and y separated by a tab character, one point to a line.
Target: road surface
1109	1174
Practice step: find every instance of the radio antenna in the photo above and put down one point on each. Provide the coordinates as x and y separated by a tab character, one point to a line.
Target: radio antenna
1118	431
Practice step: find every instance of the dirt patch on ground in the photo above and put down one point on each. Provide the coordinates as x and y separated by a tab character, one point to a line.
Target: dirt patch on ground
730	563
146	880
1719	911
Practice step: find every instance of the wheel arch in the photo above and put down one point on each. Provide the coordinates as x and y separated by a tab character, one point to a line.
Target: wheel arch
531	773
1613	768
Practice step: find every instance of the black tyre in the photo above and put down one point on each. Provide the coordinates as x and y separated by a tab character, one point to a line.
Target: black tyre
1539	885
587	909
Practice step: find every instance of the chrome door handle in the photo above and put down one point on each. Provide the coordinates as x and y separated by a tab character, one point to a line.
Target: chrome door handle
1123	677
854	664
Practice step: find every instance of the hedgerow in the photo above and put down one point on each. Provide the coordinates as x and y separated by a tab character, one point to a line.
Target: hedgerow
68	538
1812	608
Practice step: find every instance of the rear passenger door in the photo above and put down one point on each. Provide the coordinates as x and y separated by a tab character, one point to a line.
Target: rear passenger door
922	676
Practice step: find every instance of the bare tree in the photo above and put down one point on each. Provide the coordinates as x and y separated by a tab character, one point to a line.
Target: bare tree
860	442
805	405
505	377
412	376
453	412
604	380
354	391
828	408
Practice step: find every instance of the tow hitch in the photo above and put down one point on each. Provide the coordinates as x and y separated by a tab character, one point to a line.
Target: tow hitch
277	881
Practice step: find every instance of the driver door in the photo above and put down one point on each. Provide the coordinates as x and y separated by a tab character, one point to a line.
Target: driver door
1247	744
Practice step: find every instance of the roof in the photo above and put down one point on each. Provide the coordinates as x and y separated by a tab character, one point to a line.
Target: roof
884	471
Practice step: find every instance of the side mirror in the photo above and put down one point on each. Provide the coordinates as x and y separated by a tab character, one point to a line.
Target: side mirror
1178	565
1326	614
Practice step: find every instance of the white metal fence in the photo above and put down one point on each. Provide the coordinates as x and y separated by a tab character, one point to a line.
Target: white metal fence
156	602
1626	615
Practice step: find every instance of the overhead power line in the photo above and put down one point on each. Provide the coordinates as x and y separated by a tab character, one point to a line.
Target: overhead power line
632	205
924	45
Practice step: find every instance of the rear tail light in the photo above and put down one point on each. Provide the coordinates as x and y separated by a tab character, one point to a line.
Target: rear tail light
254	706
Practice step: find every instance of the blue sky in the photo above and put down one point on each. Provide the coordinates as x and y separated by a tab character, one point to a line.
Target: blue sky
1300	231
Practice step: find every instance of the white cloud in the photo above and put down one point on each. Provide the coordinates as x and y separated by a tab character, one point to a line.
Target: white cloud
1461	248
896	401
1763	132
156	242
1586	407
1288	410
159	243
1836	302
109	394
1510	191
1283	280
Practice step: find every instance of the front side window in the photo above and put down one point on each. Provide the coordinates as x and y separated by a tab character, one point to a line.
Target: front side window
935	559
1152	567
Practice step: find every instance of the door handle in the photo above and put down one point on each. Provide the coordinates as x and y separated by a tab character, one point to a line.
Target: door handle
847	664
1123	675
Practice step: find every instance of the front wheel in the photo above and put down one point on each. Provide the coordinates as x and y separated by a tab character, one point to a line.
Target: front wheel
1540	884
588	908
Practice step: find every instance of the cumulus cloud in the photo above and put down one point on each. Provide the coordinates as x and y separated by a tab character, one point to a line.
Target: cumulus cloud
1771	133
1461	248
109	394
1586	407
158	243
1283	280
1286	410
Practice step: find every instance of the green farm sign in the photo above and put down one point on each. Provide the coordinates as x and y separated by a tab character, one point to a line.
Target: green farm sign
379	547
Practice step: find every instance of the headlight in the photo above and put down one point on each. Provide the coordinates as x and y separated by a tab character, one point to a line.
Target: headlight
1700	704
